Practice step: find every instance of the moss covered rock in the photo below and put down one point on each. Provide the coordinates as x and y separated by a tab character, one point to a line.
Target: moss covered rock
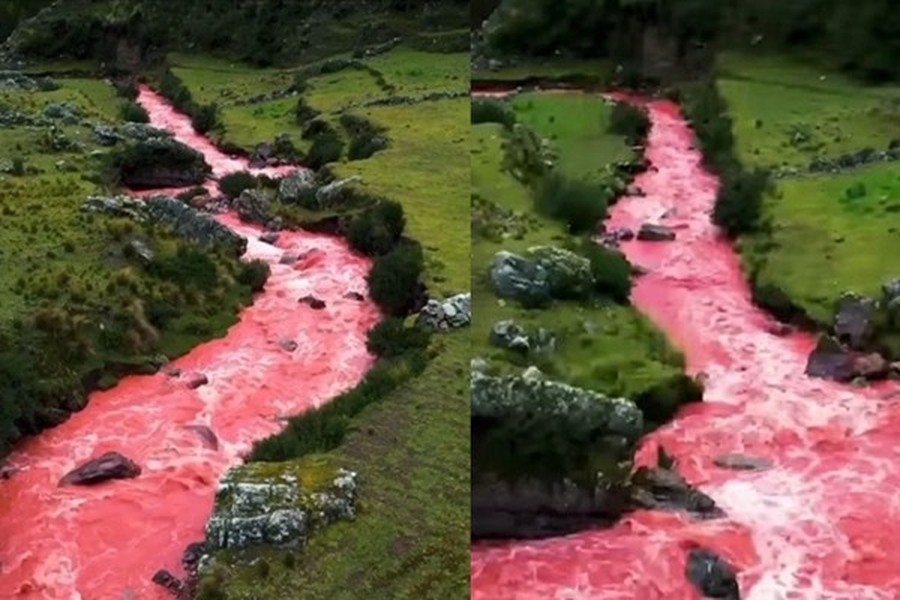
544	274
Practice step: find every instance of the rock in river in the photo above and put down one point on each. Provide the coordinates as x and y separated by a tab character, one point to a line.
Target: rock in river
742	462
655	233
111	465
853	320
711	575
313	302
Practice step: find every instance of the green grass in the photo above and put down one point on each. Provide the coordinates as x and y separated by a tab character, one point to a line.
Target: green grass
411	450
608	348
823	243
552	69
410	539
772	99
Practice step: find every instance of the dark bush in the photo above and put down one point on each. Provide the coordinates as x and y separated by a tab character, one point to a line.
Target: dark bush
254	274
739	202
326	148
394	279
375	231
317	127
205	117
629	121
304	112
134	112
362	148
127	89
391	337
233	184
489	110
366	138
581	205
660	403
140	164
610	270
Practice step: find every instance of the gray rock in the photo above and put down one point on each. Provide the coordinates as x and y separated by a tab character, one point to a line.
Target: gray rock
118	206
196	380
106	136
67	112
665	489
313	302
287	344
270	237
111	465
206	434
327	196
288	258
742	462
546	273
164	163
655	233
504	332
142	131
254	507
451	313
830	360
711	575
142	251
252	206
496	397
192	224
853	320
292	186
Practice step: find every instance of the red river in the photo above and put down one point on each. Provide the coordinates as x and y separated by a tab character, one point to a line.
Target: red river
105	542
821	525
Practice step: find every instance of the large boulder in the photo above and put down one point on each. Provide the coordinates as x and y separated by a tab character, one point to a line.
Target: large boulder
451	313
161	163
665	489
118	206
192	224
252	206
328	196
711	575
292	186
853	320
655	233
258	505
111	465
544	274
830	360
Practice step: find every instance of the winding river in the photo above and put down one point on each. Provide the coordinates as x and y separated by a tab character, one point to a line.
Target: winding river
821	525
105	542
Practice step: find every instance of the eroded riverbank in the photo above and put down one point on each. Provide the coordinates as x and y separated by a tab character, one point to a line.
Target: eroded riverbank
107	541
819	525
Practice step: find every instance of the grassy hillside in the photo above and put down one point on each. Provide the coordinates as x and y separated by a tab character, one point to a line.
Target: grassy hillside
410	538
600	345
825	233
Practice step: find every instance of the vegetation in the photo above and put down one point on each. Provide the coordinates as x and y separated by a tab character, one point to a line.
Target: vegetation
134	112
376	230
394	280
233	184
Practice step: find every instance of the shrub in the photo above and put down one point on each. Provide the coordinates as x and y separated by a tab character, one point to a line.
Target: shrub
134	112
362	148
739	202
581	205
254	274
610	270
489	110
18	167
126	89
375	231
394	279
188	267
630	121
304	112
326	148
233	184
204	117
392	338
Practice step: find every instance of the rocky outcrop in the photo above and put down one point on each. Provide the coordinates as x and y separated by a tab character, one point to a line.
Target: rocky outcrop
142	131
830	360
328	196
712	576
162	163
111	465
451	313
292	186
509	335
665	489
853	320
259	503
535	509
192	224
106	135
546	273
252	206
655	233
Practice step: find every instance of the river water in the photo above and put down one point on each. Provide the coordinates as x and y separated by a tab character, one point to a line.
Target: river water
821	525
105	542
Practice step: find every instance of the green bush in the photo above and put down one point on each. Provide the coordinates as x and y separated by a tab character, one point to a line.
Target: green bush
188	267
610	270
739	201
366	138
489	110
204	117
326	148
391	338
375	231
579	204
233	184
254	274
303	112
629	121
126	89
134	112
394	279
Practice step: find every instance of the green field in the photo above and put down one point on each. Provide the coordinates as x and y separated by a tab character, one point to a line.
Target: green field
410	539
787	112
822	240
603	346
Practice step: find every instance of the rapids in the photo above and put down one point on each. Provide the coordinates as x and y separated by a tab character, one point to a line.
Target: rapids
821	525
105	542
